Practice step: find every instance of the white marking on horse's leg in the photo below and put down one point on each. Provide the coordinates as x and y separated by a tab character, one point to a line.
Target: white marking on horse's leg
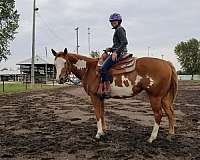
154	133
100	130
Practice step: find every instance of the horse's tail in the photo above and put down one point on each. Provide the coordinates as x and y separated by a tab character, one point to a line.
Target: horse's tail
174	84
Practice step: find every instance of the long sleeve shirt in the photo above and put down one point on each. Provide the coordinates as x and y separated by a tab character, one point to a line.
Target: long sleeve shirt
119	40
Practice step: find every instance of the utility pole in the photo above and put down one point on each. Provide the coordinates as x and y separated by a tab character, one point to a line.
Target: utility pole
77	45
33	44
46	64
148	50
89	40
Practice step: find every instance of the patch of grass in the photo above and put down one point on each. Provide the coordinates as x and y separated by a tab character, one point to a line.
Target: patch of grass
20	87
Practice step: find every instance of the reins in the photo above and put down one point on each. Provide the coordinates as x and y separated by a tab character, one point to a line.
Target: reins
82	79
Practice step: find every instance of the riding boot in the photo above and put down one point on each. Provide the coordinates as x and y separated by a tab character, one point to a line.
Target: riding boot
107	89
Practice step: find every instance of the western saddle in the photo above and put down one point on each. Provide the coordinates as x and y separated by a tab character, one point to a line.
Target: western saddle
126	64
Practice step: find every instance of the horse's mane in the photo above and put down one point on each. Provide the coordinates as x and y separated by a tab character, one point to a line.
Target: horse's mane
82	57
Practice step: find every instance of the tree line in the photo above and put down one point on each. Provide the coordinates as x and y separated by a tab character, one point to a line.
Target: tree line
9	19
188	55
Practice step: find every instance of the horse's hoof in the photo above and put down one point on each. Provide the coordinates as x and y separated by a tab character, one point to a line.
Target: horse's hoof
97	137
100	137
149	140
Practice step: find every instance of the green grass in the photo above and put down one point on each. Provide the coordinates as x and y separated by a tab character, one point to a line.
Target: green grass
20	87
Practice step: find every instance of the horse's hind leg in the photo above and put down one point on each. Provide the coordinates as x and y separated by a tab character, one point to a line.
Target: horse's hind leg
167	106
156	107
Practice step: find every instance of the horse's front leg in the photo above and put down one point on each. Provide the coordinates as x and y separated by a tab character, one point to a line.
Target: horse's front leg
99	112
104	126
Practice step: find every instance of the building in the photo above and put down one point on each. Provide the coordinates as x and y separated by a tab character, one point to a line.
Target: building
44	70
10	75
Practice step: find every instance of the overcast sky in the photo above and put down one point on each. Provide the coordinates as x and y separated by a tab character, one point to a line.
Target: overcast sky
158	24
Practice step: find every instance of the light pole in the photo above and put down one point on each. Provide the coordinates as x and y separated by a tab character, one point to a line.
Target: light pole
148	50
77	45
33	44
162	55
89	40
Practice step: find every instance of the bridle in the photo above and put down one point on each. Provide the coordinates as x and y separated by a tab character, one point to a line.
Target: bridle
69	65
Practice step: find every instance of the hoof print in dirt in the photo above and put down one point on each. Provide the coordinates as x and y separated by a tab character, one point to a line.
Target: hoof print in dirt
7	156
75	119
170	138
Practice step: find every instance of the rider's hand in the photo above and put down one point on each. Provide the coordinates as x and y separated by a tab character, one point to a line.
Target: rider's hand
114	56
108	49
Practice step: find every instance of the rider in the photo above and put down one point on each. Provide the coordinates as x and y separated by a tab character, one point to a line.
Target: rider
118	49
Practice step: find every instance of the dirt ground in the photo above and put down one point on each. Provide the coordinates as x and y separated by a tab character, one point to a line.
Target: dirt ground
60	124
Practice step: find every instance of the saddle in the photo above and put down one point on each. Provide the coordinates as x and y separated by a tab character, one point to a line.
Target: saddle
125	65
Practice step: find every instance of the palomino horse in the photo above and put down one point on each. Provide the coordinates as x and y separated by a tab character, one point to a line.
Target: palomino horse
157	77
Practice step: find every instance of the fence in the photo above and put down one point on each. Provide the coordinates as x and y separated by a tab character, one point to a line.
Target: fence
9	86
13	86
188	77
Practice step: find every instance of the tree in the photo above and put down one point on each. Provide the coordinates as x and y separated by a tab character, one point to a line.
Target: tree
95	54
189	56
9	18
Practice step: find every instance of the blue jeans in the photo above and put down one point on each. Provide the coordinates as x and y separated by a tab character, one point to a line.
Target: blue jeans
106	66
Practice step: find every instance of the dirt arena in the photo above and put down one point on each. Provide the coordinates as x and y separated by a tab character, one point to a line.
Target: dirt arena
60	124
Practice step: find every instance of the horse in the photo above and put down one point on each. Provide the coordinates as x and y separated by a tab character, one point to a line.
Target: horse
157	77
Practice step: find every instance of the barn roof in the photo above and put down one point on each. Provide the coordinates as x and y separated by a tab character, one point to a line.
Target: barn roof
38	60
9	72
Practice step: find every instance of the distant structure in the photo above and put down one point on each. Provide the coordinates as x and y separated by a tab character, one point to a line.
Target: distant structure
9	75
41	67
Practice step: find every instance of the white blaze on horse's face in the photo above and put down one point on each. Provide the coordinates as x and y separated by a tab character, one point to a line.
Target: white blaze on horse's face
60	64
80	64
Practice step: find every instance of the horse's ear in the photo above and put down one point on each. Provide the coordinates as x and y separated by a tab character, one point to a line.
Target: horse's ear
54	52
65	51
